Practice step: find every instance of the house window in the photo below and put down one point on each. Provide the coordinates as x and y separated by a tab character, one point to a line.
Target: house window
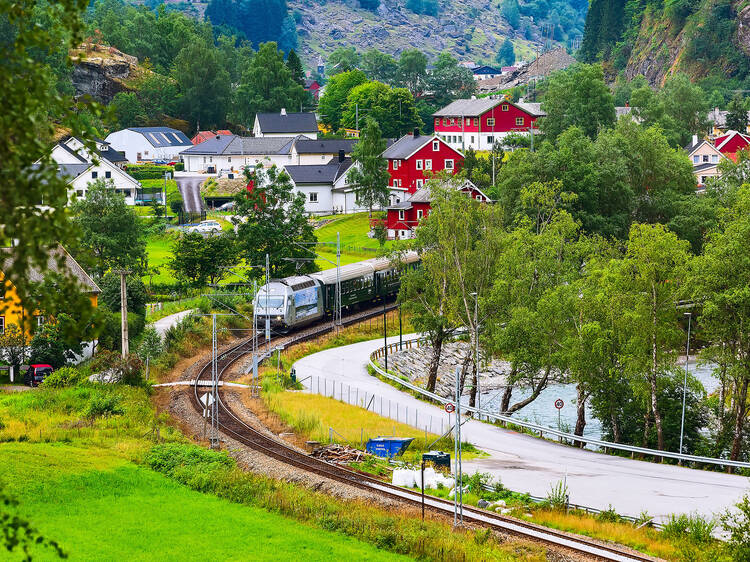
420	183
400	215
704	179
39	320
435	145
94	175
472	139
210	158
395	183
313	197
204	159
138	156
714	158
2	324
705	157
476	121
505	107
453	121
2	290
420	213
437	121
449	164
490	121
490	140
428	164
107	175
79	192
519	121
696	159
229	158
419	165
395	164
445	121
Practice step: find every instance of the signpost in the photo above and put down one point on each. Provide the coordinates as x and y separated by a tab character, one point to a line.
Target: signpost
450	407
559	405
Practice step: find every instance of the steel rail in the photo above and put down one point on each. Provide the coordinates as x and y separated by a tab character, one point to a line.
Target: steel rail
543	428
232	425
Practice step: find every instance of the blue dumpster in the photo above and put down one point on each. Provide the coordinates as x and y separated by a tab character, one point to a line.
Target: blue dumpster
388	446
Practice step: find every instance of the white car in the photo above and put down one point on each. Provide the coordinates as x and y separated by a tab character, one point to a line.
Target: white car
206	227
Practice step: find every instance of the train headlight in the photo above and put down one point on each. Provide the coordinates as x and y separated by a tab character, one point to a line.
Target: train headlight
278	318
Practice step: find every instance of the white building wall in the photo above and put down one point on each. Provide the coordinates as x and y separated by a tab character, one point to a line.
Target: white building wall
324	198
135	144
236	162
122	182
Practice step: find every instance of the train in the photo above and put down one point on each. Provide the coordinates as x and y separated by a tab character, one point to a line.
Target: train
299	300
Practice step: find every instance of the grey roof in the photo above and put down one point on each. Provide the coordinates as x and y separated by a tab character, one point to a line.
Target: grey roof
485	69
70	264
162	136
323	146
233	145
287	123
403	205
113	155
531	108
406	146
326	173
467	107
420	196
705	166
71	171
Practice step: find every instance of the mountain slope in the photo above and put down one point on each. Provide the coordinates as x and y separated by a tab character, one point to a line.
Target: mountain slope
707	39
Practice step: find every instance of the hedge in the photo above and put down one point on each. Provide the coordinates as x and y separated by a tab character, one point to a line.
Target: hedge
149	171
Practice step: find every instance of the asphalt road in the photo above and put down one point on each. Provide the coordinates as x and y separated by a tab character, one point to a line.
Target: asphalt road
527	464
190	189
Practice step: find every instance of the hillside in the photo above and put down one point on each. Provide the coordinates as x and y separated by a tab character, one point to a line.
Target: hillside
707	39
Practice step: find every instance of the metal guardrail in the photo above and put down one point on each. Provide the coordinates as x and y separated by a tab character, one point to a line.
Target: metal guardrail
380	352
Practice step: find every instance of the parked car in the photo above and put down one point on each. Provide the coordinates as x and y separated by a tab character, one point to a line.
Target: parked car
36	374
228	206
206	227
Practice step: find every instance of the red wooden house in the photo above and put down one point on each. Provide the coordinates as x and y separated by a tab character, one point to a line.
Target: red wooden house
403	218
480	123
412	158
730	142
313	87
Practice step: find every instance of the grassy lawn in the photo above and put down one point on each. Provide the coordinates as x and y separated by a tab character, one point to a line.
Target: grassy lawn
77	496
159	252
353	230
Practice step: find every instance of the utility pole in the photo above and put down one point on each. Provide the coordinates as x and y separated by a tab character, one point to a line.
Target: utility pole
214	387
268	318
124	311
337	311
458	510
684	384
385	334
356	121
476	352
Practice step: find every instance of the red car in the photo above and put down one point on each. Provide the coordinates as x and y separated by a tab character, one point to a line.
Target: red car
36	373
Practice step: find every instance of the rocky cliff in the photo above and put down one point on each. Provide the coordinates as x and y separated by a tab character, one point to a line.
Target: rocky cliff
101	72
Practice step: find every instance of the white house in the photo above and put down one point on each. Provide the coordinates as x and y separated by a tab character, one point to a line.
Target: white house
327	189
232	153
285	124
80	167
310	152
149	143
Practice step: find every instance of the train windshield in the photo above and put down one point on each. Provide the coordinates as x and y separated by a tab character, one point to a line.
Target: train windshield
270	301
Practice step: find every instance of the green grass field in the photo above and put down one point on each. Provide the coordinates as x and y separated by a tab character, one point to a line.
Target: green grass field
103	507
159	252
353	230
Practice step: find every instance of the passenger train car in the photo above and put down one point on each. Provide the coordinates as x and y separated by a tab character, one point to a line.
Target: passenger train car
303	299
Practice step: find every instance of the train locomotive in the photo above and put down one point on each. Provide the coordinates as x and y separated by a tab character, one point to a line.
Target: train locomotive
299	300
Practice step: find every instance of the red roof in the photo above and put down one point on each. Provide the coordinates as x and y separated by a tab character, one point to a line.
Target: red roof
202	136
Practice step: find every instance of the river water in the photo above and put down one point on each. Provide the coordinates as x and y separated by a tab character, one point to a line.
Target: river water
543	412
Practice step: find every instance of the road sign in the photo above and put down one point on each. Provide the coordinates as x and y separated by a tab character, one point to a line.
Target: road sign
450	407
207	399
559	403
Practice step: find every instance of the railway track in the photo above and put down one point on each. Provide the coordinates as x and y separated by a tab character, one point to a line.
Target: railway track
233	426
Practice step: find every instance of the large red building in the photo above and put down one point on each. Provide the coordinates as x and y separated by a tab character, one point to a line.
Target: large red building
403	218
412	159
730	142
480	123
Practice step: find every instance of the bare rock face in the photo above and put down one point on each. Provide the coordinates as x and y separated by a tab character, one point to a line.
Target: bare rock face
743	30
101	71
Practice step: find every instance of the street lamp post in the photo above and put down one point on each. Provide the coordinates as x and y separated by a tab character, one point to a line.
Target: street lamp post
684	383
476	351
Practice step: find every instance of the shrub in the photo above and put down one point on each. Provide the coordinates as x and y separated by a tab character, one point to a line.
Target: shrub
148	171
693	527
65	376
103	406
737	524
609	515
558	495
128	370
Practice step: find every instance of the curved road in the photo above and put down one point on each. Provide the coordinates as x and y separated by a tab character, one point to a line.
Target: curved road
528	464
190	190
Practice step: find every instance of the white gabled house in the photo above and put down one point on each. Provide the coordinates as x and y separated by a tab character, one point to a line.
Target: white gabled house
232	153
285	124
149	143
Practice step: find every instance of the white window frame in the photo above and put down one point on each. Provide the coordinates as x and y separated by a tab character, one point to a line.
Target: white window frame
419	184
420	165
448	164
435	145
401	215
107	175
705	158
2	324
714	158
313	197
39	320
396	182
490	140
428	164
395	164
420	214
94	175
696	159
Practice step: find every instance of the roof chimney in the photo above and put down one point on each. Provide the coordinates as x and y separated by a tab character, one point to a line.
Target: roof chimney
283	111
218	137
416	132
695	139
520	100
342	155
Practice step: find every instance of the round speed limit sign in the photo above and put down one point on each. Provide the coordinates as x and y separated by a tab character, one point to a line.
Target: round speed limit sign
559	403
450	407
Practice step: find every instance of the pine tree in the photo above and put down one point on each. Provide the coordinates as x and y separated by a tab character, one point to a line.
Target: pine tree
506	56
294	64
369	176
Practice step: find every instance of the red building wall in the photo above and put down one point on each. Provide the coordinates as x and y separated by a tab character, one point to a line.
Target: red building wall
505	121
736	143
407	172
